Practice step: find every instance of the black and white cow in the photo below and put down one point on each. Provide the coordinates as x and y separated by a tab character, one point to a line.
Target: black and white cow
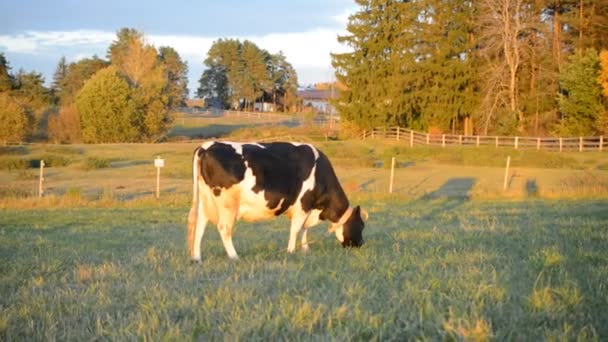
257	181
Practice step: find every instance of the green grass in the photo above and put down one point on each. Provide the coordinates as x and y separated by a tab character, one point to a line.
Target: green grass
431	269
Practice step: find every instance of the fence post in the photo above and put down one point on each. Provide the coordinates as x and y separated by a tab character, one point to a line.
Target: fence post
428	138
516	142
443	140
580	144
560	144
41	179
601	143
460	139
411	138
477	141
397	132
538	143
390	186
504	185
158	163
496	137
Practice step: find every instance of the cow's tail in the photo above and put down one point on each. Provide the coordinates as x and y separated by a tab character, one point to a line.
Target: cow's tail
193	215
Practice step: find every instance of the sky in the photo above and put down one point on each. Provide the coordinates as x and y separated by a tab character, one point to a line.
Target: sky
35	34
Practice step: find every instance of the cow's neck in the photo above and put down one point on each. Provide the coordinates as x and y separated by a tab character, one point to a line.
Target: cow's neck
336	207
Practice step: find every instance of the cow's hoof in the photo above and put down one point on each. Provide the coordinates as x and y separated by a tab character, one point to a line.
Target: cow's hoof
195	262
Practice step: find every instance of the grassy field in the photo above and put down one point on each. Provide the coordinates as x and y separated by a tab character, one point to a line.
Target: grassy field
449	255
431	269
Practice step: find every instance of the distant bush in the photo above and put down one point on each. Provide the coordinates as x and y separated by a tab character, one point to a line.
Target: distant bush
94	163
10	192
13	150
14	164
50	160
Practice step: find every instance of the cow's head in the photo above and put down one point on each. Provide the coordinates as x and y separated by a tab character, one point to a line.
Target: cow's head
349	230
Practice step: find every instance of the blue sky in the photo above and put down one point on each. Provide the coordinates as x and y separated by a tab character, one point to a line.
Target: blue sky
34	34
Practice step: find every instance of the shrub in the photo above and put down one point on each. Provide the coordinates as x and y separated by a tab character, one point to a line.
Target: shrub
14	164
94	163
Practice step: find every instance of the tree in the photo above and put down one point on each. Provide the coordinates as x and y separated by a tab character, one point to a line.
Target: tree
177	81
107	109
603	76
147	77
579	99
238	74
411	64
64	125
77	74
14	127
213	87
119	49
372	71
61	72
285	81
6	79
36	100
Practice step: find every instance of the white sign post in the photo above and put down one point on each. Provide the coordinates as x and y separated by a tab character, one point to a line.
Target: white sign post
158	163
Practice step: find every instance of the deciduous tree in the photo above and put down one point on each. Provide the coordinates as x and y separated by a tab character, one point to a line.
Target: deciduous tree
107	109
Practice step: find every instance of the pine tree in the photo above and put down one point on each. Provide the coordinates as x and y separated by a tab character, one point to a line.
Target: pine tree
213	87
177	81
579	100
6	79
237	74
61	72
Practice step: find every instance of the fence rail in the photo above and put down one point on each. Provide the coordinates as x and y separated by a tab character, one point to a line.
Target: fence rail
413	138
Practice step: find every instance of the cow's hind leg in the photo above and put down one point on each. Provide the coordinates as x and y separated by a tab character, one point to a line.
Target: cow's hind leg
226	234
197	221
227	218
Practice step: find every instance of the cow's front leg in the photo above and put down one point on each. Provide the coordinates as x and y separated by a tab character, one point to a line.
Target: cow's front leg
305	247
297	221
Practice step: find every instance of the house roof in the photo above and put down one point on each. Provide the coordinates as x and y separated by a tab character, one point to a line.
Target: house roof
316	94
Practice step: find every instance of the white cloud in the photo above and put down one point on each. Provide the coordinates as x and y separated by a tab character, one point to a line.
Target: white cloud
309	52
37	42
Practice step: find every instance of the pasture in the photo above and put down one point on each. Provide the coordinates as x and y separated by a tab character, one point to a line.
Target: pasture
448	255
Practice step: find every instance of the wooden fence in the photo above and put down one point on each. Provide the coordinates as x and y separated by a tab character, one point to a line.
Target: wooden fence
413	138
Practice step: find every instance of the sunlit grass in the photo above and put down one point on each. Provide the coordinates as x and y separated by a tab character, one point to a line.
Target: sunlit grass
429	270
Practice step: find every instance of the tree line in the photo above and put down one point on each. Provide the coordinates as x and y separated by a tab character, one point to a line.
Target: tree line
499	66
239	74
124	98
